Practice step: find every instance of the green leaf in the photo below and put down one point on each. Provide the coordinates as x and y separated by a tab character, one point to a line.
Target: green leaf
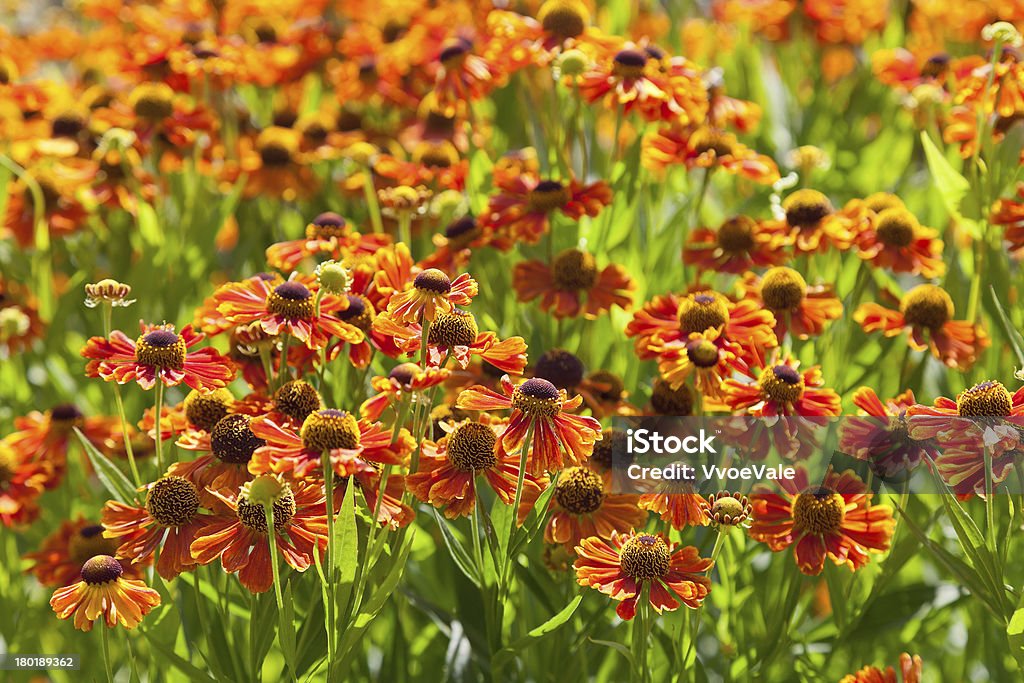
166	653
951	185
345	545
112	478
462	558
1012	335
535	634
286	631
149	224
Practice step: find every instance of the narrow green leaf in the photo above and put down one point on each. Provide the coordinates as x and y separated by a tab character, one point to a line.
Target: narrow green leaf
1012	335
516	647
455	548
187	668
112	478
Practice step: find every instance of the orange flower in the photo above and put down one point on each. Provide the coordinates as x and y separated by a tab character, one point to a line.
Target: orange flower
895	239
104	592
464	76
431	291
448	469
403	380
644	81
46	437
228	446
672	318
910	670
292	307
707	356
272	163
926	314
60	183
522	210
812	224
22	481
59	559
738	245
158	354
677	504
799	309
881	437
707	148
779	388
240	538
354	445
624	565
169	521
834	519
583	506
538	407
984	424
571	276
328	234
1010	213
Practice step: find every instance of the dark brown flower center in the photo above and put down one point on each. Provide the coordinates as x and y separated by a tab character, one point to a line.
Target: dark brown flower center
806	208
629	63
172	501
297	399
560	367
574	270
580	490
292	300
161	349
702	353
819	512
89	542
564	19
783	289
232	440
782	384
461	232
537	397
327	429
404	374
433	280
896	227
65	416
614	388
736	235
547	196
471	447
359	313
927	306
668	401
709	140
328	224
645	557
254	517
454	328
101	569
612	444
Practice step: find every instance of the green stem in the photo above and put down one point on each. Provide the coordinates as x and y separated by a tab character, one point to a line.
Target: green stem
119	403
328	469
282	365
158	433
371	200
524	451
268	511
105	646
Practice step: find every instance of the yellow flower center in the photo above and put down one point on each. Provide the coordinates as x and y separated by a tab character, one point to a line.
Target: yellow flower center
232	440
471	447
454	328
805	208
574	270
580	490
896	227
152	101
736	235
564	19
161	349
819	512
205	410
701	312
89	542
880	201
297	399
927	306
101	569
547	196
292	300
668	401
729	510
781	384
442	154
327	429
783	289
987	399
172	501
537	397
645	557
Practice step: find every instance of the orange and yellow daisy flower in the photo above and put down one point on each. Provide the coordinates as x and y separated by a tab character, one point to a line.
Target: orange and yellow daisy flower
522	210
780	388
46	437
811	223
326	235
799	309
583	506
834	520
572	285
448	470
558	436
169	521
894	239
239	538
294	307
738	245
1010	213
707	148
159	354
404	380
880	436
925	313
59	560
627	563
464	75
431	292
228	446
910	672
677	504
706	356
104	592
